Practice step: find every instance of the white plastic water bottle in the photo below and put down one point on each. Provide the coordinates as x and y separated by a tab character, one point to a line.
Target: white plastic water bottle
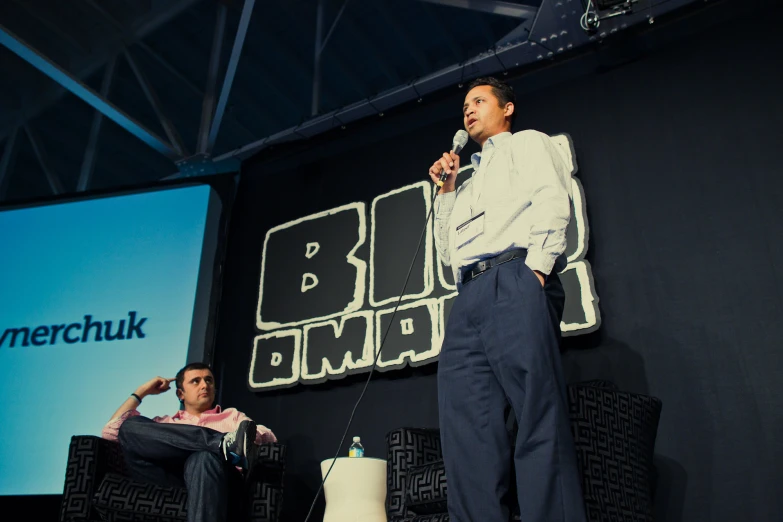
356	449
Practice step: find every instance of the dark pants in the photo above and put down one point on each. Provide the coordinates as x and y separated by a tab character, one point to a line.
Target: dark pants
180	455
501	350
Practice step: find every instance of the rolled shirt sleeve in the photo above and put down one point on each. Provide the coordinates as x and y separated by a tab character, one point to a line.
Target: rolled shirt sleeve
111	429
548	182
444	204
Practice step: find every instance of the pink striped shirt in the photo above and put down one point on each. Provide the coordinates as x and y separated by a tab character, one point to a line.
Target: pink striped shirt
217	419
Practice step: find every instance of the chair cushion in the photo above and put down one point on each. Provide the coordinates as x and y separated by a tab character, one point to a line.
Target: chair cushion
614	435
426	489
121	499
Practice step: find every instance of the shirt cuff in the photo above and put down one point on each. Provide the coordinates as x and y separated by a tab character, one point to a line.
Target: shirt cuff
538	260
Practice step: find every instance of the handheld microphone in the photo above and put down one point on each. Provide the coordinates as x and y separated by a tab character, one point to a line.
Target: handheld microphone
459	141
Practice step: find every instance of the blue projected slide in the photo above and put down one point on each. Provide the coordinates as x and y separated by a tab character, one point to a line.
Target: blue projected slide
96	297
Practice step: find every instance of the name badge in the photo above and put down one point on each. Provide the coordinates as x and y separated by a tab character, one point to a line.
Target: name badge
470	230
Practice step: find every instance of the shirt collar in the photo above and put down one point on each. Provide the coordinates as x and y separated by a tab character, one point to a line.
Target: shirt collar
495	141
182	414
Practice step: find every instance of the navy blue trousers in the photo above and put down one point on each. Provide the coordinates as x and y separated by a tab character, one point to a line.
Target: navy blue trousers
185	456
502	350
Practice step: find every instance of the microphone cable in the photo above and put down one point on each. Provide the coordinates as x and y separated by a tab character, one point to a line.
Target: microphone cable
377	355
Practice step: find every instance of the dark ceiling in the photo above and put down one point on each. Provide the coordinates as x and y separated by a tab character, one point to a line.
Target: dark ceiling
150	61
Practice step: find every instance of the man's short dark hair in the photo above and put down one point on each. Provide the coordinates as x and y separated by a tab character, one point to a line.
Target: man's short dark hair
502	91
192	366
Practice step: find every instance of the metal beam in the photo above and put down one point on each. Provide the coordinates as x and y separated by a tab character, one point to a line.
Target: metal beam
497	7
52	70
168	10
319	28
118	26
304	71
484	64
88	162
170	68
85	67
152	97
286	88
334	25
6	162
343	71
518	34
554	17
40	154
208	105
188	83
163	62
228	80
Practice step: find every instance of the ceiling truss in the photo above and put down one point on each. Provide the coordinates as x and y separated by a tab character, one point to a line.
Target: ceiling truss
543	32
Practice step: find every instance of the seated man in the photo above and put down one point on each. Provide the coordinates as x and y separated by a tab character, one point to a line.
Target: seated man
201	448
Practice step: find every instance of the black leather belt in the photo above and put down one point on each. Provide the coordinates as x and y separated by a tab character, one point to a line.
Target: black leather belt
485	264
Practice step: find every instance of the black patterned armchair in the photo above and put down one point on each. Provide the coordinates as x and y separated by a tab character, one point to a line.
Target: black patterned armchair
97	487
614	435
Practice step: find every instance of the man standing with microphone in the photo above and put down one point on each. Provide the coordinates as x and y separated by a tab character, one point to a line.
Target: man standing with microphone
503	232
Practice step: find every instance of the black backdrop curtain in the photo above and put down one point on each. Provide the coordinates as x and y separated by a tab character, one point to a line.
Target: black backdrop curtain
677	136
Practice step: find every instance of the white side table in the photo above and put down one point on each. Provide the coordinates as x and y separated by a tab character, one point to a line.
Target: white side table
355	490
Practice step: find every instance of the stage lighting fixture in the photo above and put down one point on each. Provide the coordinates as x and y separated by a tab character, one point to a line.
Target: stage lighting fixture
597	10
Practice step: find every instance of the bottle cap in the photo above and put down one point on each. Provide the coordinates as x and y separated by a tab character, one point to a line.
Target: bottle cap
357	439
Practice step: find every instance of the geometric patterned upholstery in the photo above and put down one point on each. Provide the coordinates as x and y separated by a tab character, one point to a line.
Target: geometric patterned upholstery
270	464
614	435
426	489
266	502
97	487
120	499
407	448
89	459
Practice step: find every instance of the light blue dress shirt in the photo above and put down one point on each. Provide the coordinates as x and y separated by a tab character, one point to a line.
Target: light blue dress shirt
522	185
